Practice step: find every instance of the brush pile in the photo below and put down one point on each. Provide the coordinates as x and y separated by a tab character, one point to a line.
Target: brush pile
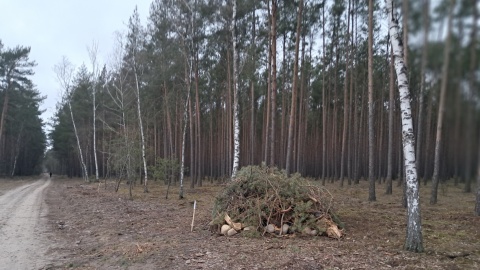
263	200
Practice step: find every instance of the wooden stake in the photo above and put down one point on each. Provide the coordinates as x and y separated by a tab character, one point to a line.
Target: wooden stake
193	218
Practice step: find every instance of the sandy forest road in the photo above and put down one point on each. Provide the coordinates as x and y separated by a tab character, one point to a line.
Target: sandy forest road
22	244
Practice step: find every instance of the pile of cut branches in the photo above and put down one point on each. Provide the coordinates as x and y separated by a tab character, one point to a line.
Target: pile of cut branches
264	200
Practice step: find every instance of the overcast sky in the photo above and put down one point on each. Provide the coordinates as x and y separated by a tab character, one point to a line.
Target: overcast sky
56	28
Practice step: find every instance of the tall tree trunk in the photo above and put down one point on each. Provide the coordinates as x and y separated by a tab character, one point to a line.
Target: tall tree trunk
334	139
300	134
371	176
345	99
93	58
441	107
171	152
236	124
199	163
273	88
324	104
140	123
477	204
227	161
192	132
184	135
82	161
472	86
423	68
252	123
405	31
414	239
267	109
428	126
198	138
4	112
391	109
17	150
294	91
252	89
95	136
351	130
284	105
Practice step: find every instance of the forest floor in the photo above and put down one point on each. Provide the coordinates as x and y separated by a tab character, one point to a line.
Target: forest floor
96	228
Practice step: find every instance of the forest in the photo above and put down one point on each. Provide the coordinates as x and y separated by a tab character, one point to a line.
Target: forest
207	88
22	139
338	92
170	90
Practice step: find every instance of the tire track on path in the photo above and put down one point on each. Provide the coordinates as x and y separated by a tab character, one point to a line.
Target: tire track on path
22	243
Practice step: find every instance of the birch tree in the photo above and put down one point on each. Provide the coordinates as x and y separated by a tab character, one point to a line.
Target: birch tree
414	238
184	133
236	120
121	96
64	71
135	37
92	53
391	107
186	48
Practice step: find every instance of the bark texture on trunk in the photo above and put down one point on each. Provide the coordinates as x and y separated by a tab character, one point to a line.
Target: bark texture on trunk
371	177
441	108
140	123
477	204
236	124
414	238
274	83
391	108
293	107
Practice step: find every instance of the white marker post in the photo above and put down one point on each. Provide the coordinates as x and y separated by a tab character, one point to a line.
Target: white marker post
193	218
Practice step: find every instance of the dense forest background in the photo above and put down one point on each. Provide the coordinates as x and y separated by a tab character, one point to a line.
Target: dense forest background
22	138
180	66
302	93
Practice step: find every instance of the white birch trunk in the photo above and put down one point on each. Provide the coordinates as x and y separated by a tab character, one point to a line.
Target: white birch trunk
94	136
93	58
137	92
414	239
17	151
64	72
236	125
184	133
84	167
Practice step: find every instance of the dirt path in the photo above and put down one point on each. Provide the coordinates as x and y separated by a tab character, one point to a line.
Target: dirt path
22	212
